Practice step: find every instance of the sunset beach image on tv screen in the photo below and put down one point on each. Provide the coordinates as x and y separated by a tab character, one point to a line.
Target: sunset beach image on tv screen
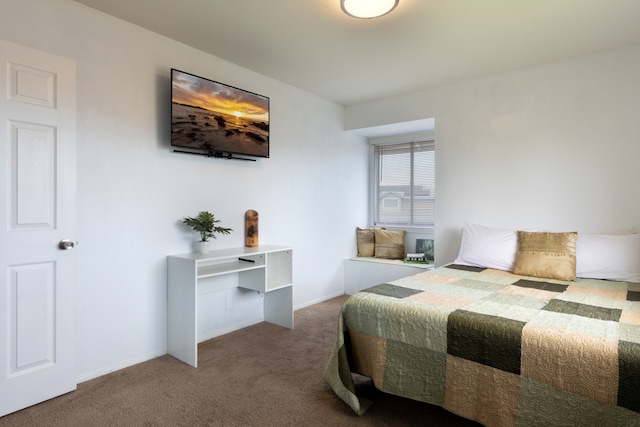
211	116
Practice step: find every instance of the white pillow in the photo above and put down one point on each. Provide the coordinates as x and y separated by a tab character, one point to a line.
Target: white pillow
488	247
608	256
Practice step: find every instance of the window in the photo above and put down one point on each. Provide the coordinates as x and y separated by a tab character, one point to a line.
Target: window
404	184
390	203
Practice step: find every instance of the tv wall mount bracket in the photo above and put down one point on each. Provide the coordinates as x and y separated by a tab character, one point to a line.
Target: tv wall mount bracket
216	154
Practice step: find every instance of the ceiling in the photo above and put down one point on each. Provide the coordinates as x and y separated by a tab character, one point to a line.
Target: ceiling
313	45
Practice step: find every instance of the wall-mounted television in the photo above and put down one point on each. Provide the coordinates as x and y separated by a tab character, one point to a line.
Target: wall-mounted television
217	120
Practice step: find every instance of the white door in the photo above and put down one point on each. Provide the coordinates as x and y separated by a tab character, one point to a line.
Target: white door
37	211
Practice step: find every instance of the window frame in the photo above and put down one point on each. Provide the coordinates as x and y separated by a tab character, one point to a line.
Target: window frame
374	173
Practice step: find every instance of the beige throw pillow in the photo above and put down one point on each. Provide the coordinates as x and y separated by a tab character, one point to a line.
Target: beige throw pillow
365	239
389	244
546	255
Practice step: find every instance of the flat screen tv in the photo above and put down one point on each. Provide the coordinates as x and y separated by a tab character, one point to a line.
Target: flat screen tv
216	119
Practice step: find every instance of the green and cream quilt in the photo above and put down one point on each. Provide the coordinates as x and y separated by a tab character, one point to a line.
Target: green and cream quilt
495	347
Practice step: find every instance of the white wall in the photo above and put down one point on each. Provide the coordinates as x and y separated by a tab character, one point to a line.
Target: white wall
132	190
553	147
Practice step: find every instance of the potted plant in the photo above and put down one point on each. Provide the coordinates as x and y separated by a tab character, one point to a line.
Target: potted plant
205	224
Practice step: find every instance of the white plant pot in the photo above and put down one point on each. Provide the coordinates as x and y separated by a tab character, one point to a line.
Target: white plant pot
203	247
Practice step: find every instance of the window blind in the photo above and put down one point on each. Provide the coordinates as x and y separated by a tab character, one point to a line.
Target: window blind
405	184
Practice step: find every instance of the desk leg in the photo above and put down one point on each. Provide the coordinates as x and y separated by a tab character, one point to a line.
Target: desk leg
182	334
278	307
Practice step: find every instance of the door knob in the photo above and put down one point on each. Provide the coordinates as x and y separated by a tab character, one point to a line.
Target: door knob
66	244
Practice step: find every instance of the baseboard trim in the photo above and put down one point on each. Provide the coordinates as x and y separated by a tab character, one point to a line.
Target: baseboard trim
120	365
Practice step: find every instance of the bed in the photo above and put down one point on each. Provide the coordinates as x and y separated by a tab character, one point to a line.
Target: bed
497	347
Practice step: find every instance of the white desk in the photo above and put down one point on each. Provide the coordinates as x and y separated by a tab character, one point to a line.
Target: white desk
266	269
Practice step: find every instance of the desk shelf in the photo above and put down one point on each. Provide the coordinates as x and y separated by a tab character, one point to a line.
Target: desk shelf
209	269
265	269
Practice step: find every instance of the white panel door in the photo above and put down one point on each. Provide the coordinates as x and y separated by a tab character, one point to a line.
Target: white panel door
37	212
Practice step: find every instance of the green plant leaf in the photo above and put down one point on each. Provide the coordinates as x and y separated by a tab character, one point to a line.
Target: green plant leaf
205	224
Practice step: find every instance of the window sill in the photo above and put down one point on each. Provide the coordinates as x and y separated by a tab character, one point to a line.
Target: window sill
391	261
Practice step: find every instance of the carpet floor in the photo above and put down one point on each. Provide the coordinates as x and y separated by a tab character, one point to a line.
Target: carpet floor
262	375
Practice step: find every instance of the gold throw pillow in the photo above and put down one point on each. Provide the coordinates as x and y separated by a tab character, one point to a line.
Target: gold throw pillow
546	255
389	244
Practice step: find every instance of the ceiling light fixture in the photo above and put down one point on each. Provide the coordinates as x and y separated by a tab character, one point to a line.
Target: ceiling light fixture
367	9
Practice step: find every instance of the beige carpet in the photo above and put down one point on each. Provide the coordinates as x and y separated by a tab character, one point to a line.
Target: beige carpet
263	375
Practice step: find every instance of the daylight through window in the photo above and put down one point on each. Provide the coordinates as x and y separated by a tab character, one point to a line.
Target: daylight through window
405	184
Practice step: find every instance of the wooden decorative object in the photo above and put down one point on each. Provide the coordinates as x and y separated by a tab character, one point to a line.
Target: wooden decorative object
251	228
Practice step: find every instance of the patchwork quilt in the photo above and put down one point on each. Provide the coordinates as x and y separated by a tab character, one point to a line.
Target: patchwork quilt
498	348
